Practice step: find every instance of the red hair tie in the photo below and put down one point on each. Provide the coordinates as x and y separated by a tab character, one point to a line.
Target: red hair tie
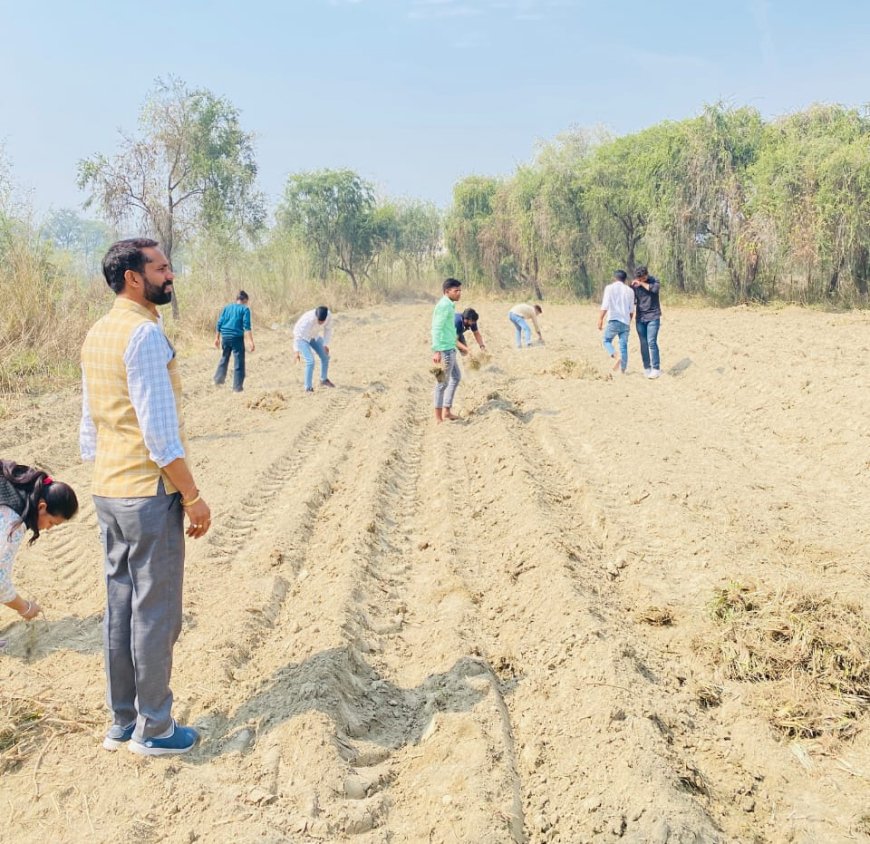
47	480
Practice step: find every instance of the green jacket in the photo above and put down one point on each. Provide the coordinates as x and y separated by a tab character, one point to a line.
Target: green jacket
443	327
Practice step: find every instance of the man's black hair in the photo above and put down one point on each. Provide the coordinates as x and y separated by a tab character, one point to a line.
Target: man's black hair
321	312
471	315
640	272
125	255
621	275
242	296
450	283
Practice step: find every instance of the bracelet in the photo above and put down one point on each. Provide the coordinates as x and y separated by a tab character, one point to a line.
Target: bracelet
192	501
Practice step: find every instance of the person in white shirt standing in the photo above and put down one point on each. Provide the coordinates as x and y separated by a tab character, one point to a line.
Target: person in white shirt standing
618	305
307	343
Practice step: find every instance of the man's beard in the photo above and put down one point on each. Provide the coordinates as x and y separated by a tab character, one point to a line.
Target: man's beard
157	294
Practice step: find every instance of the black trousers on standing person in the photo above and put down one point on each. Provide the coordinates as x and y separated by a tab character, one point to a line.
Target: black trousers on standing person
235	346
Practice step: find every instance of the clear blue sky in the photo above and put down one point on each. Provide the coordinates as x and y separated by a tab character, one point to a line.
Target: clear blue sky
413	94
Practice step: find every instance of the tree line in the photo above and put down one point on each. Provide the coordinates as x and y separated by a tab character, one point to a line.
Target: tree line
723	204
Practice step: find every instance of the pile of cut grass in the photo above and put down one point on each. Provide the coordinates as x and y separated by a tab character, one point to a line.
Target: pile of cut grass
810	655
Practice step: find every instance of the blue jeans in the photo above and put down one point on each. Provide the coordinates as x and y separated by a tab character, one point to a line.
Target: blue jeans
648	332
231	345
615	328
522	330
307	348
445	390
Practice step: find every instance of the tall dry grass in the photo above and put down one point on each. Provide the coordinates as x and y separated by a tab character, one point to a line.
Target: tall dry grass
46	312
49	303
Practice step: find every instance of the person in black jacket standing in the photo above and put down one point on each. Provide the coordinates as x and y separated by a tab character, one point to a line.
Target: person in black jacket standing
648	320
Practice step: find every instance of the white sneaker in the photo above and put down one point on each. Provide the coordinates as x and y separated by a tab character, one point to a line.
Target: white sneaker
654	373
646	372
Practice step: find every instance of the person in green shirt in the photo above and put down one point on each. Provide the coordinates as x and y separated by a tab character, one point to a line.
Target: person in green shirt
444	348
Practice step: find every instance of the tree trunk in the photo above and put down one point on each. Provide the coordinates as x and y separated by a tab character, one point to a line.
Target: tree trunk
167	251
680	273
861	271
584	278
834	281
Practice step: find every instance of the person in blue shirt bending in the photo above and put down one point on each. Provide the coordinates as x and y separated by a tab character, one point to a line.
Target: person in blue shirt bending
232	329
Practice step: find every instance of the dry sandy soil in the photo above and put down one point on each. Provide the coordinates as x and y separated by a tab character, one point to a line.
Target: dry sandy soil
496	630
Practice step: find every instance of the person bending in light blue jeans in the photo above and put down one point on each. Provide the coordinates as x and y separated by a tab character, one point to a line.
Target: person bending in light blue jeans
617	305
520	315
307	344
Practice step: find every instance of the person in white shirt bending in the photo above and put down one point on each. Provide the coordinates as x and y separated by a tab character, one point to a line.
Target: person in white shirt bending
307	343
521	315
618	306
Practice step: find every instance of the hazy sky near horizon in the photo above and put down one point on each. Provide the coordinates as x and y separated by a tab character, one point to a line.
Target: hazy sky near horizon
412	94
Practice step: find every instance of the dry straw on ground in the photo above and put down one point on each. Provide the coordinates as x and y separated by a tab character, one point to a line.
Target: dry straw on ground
809	653
568	368
270	401
28	725
656	616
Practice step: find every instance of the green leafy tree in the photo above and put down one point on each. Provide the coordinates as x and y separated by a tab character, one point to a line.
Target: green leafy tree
66	229
190	168
812	191
417	235
616	195
334	215
471	209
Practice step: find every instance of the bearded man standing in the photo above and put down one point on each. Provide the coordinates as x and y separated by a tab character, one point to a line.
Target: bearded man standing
132	429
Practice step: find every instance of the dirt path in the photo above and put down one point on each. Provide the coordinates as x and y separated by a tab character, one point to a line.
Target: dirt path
498	630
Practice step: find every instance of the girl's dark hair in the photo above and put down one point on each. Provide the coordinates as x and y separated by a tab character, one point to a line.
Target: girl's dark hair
60	498
242	296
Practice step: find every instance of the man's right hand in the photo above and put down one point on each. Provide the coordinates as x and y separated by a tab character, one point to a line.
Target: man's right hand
217	342
199	516
436	358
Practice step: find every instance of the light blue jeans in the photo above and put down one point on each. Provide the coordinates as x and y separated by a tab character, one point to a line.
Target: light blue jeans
615	328
648	332
445	390
307	348
522	330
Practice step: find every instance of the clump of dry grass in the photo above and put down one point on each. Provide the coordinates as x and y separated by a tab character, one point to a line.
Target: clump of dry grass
708	695
272	401
656	616
28	724
571	368
479	360
810	652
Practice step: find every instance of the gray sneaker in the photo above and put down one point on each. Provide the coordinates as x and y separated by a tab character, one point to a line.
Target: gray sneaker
117	736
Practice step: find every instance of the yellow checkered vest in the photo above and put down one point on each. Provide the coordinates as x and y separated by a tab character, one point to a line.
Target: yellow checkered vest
122	468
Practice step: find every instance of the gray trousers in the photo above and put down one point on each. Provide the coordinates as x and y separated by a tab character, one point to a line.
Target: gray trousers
445	390
143	542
